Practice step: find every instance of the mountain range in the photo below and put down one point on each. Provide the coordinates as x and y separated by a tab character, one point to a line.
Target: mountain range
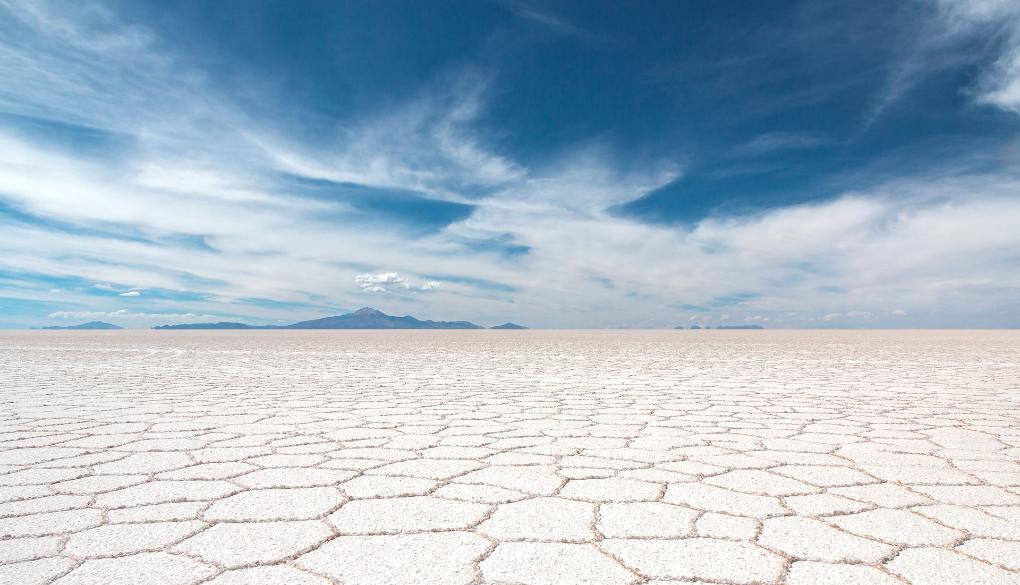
364	318
91	325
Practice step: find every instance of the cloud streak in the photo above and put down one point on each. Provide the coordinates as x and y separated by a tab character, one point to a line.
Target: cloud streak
778	141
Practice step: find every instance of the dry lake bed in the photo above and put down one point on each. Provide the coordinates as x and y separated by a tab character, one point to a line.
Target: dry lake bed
510	457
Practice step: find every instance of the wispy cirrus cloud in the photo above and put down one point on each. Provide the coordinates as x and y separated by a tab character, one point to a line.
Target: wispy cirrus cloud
548	21
982	33
999	83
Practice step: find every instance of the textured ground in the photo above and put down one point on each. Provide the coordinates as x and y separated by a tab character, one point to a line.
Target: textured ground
510	457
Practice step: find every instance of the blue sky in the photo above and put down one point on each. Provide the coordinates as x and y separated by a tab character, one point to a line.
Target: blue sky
560	164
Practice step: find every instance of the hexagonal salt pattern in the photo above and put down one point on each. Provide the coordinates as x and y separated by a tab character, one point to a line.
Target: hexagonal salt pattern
495	458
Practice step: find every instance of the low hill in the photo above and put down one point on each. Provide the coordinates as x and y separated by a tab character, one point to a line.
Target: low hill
508	325
220	325
91	325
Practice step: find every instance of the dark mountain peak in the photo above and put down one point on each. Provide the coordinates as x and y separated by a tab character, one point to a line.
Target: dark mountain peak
368	311
508	325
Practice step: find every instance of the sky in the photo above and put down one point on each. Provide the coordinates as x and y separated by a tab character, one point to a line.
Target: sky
562	164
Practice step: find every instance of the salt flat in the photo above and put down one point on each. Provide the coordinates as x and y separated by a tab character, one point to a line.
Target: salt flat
510	457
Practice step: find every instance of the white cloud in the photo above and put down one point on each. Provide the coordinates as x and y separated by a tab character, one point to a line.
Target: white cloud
428	144
1000	86
999	83
381	282
131	293
980	34
387	281
859	314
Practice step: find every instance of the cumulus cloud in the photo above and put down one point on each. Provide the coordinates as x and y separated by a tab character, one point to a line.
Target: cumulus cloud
381	282
131	293
388	281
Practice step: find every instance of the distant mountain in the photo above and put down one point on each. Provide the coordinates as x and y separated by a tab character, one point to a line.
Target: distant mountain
696	327
740	327
220	325
369	318
366	318
508	325
95	325
679	327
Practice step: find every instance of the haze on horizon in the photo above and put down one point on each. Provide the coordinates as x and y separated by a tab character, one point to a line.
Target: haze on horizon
561	164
